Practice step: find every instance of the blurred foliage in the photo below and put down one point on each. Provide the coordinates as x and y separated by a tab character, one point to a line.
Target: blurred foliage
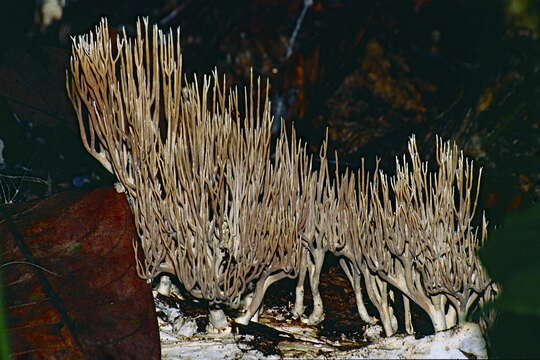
511	258
525	14
507	119
397	89
384	77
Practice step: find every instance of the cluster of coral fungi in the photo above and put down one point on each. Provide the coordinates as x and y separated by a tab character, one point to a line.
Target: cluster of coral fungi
217	206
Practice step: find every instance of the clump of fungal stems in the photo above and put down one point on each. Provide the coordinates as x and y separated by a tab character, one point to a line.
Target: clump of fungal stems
215	208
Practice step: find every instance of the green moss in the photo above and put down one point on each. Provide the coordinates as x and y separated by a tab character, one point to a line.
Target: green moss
73	248
511	257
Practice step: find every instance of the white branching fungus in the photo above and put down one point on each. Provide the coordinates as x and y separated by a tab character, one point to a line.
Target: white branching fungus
213	208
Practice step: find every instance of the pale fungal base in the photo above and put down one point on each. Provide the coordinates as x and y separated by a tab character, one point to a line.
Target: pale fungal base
246	316
218	323
119	187
164	287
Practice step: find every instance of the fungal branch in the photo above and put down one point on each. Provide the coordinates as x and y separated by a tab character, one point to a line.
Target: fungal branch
116	87
320	215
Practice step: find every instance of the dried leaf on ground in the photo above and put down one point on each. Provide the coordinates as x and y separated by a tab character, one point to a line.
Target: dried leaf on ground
69	274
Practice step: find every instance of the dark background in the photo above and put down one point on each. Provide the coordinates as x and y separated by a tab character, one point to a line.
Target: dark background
372	72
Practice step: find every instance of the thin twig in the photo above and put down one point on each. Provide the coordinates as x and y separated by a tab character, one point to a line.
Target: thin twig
26	178
307	5
175	12
29	263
